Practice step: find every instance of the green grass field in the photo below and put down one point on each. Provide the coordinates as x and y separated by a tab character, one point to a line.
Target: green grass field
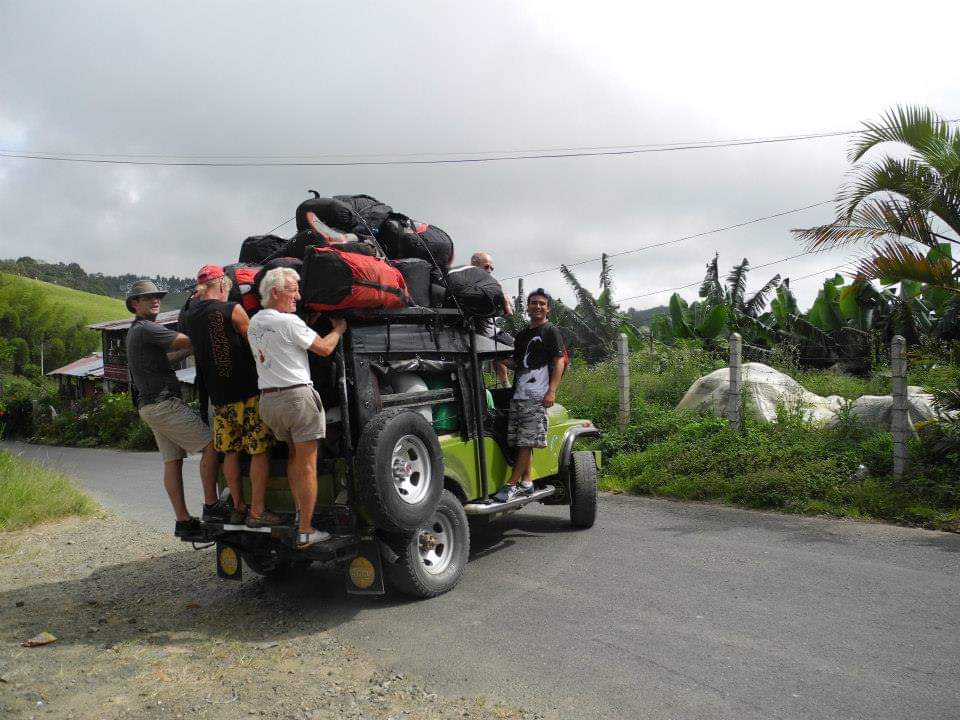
32	494
93	308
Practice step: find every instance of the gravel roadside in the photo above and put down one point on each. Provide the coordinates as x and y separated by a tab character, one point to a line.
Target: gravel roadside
145	629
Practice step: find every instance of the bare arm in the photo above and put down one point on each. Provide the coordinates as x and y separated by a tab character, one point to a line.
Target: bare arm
324	346
240	319
556	373
180	348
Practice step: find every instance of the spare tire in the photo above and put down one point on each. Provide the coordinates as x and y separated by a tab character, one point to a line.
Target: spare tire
399	470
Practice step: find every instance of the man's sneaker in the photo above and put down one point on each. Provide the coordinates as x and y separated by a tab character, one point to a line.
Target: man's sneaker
267	519
526	488
305	540
183	528
219	512
507	493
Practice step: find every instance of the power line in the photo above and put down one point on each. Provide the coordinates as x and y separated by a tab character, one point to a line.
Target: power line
410	159
752	267
676	240
690	144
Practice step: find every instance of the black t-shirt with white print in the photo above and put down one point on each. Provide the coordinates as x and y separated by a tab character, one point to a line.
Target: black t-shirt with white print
535	351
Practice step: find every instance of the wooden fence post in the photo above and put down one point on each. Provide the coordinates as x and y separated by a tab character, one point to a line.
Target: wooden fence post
736	381
624	358
900	411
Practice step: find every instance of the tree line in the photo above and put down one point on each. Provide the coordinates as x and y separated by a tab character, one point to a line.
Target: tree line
31	324
73	276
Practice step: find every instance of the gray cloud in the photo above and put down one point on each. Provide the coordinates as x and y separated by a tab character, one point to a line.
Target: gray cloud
299	79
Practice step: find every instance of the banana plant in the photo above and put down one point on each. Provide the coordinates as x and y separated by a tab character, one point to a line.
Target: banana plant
593	325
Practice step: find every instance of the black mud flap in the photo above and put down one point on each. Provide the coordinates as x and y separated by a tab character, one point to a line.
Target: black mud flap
229	566
364	574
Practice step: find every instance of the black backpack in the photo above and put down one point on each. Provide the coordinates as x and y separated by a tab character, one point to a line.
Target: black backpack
475	291
258	249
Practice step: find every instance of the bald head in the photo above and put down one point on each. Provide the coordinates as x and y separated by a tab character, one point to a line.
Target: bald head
482	260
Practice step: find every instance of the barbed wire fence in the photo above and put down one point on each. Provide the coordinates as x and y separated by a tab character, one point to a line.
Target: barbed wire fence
901	427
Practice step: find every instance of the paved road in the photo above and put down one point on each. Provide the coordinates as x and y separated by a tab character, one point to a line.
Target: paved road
663	610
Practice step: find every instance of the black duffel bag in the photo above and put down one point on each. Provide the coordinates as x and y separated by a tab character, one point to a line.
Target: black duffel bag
257	249
475	291
401	237
368	213
418	274
331	212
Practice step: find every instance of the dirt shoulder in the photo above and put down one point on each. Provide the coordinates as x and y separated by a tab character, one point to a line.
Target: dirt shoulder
145	629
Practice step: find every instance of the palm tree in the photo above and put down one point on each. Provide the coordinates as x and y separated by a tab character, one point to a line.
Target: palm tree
906	209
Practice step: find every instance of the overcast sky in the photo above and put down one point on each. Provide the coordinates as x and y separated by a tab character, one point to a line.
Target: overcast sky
321	79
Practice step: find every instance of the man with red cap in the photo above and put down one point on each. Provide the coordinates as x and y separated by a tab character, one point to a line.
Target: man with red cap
218	330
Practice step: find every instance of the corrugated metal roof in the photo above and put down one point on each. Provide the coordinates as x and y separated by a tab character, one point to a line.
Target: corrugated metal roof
91	365
164	318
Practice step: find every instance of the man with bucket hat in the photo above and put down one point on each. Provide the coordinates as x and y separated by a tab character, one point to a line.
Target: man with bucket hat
156	392
218	331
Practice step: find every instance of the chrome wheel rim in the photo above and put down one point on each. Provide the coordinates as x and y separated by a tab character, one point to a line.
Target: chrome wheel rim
435	544
410	464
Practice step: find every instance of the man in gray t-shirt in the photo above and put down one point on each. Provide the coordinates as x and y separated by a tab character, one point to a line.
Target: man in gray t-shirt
156	392
151	373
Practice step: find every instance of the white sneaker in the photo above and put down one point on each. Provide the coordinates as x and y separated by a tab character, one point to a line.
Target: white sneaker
305	540
507	493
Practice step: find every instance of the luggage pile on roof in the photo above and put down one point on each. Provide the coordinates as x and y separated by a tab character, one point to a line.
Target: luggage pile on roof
353	251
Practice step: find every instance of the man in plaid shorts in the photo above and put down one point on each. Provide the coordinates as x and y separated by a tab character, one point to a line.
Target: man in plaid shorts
538	360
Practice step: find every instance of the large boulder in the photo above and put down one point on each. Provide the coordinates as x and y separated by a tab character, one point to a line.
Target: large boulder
765	388
876	409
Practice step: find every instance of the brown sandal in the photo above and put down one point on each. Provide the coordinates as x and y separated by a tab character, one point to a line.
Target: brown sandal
268	519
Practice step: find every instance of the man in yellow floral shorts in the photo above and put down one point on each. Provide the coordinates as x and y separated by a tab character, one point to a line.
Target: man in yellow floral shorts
225	366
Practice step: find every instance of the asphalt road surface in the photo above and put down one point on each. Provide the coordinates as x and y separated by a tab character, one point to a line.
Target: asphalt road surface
662	610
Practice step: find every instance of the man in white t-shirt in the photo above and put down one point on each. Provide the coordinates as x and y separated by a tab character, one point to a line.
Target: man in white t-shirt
289	404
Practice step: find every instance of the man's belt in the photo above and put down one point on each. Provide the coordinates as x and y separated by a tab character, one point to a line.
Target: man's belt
288	387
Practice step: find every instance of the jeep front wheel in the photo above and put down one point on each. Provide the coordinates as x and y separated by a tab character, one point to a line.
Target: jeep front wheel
583	489
431	561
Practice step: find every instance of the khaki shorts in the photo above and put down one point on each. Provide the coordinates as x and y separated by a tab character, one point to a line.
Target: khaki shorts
294	414
238	427
177	429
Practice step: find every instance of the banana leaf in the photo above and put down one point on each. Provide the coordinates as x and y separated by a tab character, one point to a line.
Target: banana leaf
678	308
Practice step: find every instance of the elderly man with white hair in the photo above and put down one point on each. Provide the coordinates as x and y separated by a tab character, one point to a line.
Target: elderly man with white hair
289	404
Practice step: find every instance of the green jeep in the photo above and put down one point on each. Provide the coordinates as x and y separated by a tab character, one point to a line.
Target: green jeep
402	473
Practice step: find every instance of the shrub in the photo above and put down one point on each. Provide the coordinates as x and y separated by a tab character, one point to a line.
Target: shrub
107	420
788	465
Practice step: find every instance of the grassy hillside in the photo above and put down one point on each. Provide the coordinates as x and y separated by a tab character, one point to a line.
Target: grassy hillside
86	306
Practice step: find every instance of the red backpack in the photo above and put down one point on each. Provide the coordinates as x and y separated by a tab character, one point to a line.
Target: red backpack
244	286
338	280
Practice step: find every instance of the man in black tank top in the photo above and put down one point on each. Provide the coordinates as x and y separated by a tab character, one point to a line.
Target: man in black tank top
226	368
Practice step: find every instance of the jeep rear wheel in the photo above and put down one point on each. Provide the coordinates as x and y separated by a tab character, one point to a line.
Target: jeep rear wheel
399	470
431	561
583	489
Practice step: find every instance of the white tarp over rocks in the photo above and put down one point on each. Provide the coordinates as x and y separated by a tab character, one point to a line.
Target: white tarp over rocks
765	388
